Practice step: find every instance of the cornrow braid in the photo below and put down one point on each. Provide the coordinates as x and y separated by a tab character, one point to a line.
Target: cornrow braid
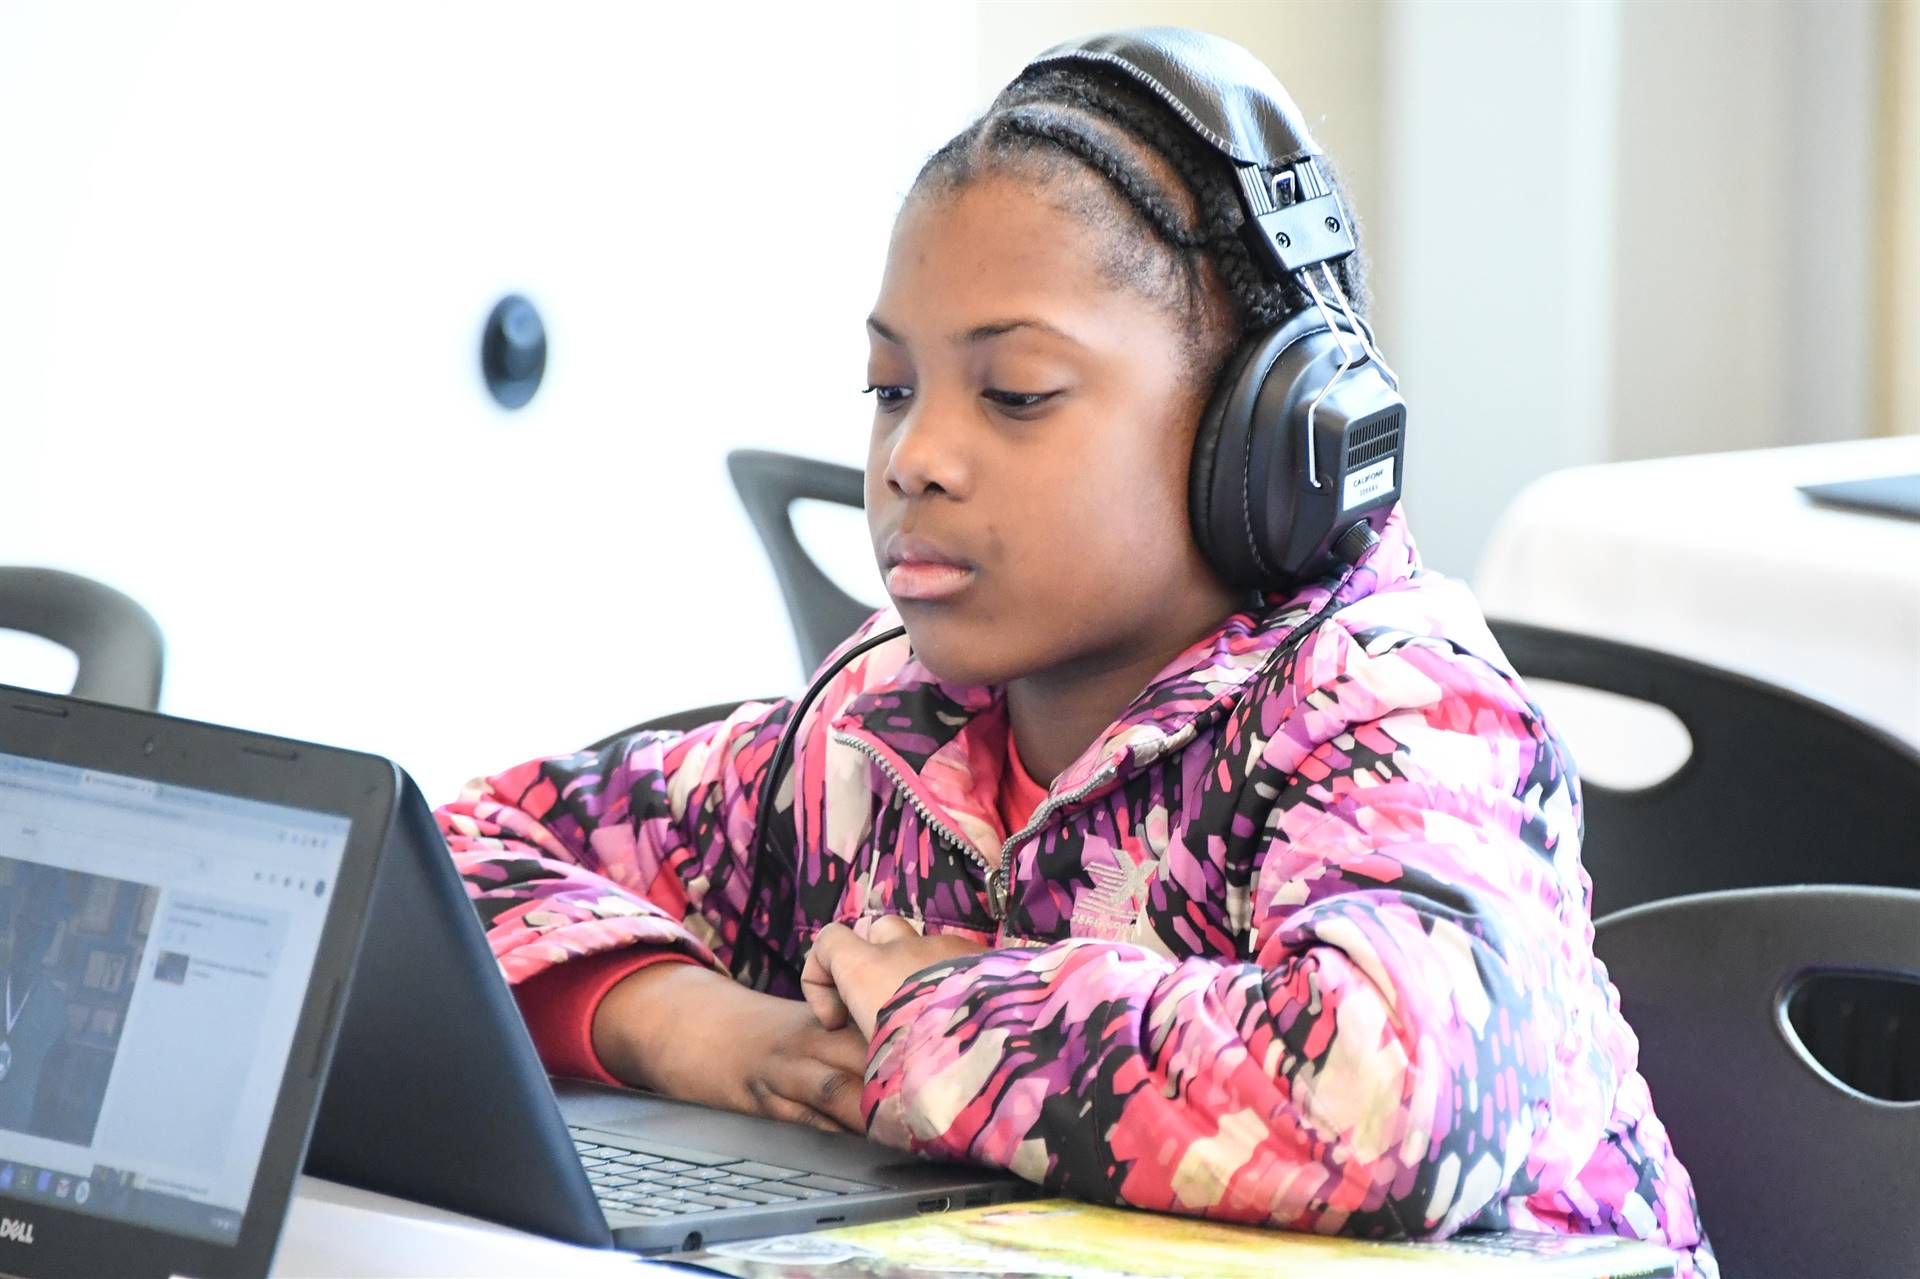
1049	111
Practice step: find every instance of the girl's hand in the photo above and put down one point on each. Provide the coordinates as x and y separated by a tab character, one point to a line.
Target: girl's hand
848	978
692	1033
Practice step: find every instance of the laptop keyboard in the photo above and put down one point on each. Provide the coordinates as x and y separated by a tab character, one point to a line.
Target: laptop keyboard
629	1177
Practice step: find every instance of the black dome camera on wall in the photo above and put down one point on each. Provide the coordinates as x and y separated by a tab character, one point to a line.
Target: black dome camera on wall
513	351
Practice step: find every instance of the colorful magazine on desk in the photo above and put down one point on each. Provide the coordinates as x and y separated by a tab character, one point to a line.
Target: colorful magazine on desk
1060	1239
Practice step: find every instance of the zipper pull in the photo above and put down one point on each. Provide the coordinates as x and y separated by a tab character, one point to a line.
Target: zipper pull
998	888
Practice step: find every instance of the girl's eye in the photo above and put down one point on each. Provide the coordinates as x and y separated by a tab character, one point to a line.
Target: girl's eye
1018	399
893	397
889	396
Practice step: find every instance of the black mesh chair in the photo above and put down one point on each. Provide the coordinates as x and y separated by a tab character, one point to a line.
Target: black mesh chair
769	484
120	650
1797	1173
1778	789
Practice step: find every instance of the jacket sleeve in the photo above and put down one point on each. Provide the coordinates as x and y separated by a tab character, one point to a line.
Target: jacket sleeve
645	844
640	844
1398	1042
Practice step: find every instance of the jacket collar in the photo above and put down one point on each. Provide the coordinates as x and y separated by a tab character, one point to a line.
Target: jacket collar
949	742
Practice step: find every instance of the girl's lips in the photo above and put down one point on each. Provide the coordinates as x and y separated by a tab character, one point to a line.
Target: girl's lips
919	568
923	580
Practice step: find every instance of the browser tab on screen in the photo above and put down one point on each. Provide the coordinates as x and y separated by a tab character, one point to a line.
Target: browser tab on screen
121	785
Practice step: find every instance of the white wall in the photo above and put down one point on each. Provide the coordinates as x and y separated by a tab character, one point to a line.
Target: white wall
246	254
1620	230
1898	313
1497	225
1748	145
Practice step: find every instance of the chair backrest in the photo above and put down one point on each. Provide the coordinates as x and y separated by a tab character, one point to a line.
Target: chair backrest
118	644
1779	788
673	722
1796	1173
769	484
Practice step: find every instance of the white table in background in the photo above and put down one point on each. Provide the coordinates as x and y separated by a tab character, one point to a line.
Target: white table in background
1719	558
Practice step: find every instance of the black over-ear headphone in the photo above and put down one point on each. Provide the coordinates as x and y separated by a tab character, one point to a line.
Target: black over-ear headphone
1298	457
1297	461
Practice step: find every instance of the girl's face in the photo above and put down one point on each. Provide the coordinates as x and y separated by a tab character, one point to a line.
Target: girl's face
1027	478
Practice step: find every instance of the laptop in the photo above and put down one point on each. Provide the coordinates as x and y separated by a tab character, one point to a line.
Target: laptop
180	908
436	1095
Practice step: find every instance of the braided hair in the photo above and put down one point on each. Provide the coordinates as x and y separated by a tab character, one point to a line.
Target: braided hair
1171	244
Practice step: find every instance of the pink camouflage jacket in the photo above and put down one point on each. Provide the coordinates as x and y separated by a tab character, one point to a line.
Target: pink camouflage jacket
1303	939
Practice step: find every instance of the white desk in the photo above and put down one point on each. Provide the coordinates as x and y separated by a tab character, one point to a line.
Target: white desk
337	1232
1720	559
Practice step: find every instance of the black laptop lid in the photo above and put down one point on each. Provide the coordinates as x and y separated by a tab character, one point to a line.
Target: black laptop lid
180	906
436	1092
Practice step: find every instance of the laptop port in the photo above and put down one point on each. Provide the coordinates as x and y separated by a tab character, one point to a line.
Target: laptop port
978	1198
827	1221
691	1243
939	1203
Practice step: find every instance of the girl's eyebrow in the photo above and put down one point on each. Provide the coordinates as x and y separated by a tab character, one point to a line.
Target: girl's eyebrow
979	332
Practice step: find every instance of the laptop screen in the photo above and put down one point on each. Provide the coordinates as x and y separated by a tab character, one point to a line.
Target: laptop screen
156	945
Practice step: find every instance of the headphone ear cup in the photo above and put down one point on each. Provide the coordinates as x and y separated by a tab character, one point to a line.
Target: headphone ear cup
1230	498
1214	493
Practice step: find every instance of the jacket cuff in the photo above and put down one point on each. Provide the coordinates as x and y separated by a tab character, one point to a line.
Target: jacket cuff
558	1005
905	1040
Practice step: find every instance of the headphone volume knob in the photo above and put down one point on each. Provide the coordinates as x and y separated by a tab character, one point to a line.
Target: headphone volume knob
1356	542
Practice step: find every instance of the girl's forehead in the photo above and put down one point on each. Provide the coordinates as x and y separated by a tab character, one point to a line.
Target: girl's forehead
999	233
1012	201
972	257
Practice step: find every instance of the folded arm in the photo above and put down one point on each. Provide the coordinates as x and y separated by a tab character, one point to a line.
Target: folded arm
1380	1059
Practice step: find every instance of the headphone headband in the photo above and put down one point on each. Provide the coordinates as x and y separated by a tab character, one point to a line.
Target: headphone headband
1234	103
1227	95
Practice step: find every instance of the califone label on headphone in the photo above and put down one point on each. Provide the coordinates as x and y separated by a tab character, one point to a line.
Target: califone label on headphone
1367	483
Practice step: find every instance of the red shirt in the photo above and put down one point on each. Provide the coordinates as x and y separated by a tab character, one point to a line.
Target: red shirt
1019	795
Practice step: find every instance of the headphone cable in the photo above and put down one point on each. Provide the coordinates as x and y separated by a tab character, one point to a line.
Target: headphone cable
761	849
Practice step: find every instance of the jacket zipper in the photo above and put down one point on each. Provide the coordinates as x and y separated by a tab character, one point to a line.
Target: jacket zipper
1000	881
999	878
927	815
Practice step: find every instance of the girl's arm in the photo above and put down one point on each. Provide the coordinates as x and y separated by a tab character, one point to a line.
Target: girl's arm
640	850
1416	1026
638	845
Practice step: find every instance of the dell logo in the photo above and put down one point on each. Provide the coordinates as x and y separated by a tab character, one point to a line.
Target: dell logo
16	1231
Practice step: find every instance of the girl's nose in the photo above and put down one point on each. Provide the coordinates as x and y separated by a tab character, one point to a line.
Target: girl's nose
928	456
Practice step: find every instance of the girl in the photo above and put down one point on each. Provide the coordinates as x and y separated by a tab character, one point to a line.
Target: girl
1261	908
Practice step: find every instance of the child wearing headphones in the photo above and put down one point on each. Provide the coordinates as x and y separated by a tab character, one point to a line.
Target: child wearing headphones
1257	904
